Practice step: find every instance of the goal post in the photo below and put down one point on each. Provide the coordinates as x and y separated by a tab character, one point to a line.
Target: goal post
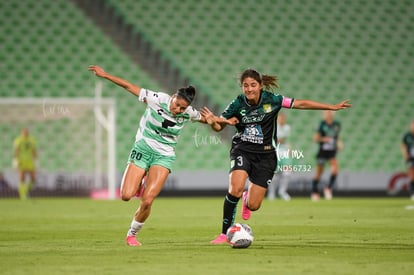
76	140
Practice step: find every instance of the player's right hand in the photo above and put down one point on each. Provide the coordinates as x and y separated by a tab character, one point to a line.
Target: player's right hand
208	115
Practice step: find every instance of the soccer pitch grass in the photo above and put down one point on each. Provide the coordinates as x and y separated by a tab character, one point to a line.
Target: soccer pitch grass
82	236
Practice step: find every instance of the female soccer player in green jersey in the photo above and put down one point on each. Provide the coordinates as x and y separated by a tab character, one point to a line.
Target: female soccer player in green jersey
327	136
253	154
407	149
153	151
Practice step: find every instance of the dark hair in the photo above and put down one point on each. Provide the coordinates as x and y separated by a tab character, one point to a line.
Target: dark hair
268	81
187	93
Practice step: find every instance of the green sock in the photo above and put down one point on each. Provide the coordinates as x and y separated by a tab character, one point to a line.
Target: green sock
29	186
22	191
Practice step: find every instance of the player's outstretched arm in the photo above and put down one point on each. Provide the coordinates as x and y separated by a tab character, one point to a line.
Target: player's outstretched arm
314	105
133	89
217	123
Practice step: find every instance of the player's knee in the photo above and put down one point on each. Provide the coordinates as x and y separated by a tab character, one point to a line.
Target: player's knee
125	195
146	202
253	207
236	191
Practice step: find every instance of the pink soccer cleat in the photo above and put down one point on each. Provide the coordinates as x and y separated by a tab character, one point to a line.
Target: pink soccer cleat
140	191
141	188
132	241
245	210
220	239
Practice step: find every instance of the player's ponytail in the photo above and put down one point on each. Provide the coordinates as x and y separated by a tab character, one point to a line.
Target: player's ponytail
268	81
187	93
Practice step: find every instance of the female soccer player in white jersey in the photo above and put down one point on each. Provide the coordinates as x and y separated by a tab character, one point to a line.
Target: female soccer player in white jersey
153	151
282	174
253	154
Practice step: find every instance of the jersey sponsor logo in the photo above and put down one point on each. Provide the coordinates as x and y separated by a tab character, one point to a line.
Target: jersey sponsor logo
252	119
253	133
167	123
330	145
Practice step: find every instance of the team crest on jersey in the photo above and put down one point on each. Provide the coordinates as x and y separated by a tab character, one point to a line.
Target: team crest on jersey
267	108
179	119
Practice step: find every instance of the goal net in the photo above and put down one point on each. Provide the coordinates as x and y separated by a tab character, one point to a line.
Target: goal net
75	143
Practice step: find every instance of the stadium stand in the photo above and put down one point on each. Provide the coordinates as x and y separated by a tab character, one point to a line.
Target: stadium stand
47	55
321	50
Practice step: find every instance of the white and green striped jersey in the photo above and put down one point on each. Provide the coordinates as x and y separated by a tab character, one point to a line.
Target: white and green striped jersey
158	127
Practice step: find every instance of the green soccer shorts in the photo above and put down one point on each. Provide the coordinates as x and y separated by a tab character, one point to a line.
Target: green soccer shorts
142	155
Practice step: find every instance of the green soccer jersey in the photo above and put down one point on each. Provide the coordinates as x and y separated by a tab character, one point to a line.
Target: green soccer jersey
408	141
158	127
256	130
329	130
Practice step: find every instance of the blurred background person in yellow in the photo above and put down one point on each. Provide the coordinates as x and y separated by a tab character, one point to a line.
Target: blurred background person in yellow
25	155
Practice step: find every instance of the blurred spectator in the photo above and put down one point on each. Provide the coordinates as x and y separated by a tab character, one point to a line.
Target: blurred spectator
25	154
281	177
327	136
407	148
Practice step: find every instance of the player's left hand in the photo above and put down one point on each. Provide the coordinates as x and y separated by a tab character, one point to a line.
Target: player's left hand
208	115
343	105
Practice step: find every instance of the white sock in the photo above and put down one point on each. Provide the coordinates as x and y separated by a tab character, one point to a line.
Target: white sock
135	228
271	190
283	185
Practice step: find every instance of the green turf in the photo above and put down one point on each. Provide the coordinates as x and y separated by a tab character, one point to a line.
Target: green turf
80	236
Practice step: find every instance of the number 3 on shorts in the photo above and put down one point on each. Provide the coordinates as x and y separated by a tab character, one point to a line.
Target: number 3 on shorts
240	161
